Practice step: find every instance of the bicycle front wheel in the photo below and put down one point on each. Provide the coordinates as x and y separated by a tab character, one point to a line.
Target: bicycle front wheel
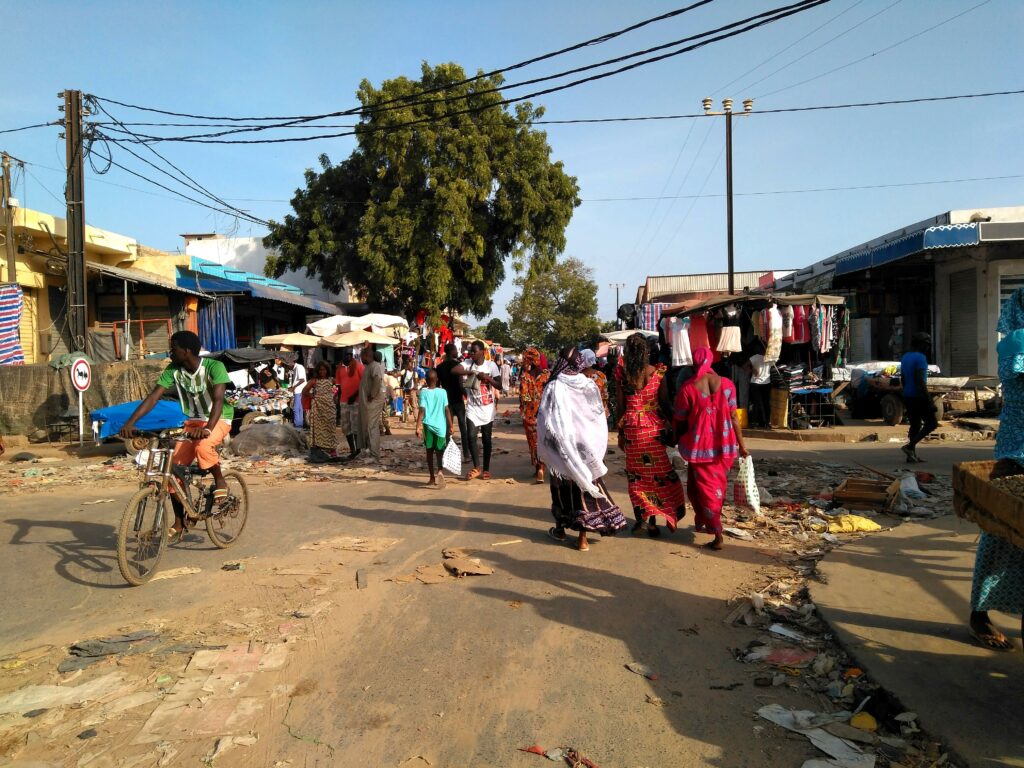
142	536
227	519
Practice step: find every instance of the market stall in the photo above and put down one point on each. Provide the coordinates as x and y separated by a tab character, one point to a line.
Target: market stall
780	350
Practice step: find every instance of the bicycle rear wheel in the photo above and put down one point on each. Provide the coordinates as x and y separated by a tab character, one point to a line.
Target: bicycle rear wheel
227	520
142	536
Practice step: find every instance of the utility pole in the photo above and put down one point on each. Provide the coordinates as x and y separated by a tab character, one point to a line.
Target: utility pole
617	286
748	106
74	194
9	245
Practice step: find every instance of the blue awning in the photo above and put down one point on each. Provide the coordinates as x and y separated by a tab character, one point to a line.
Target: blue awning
220	284
946	236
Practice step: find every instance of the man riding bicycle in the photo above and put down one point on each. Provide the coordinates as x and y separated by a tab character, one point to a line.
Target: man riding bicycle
200	384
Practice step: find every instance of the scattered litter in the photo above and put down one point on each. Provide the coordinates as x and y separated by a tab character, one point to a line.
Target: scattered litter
506	543
98	501
849	733
431	574
227	742
738	533
351	543
781	631
50	696
642	669
416	757
729	687
809	724
88	734
87	652
655	700
864	721
788	656
233	566
906	717
852	524
467	566
174	573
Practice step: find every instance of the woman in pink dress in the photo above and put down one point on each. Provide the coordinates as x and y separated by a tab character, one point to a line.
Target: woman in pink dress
709	440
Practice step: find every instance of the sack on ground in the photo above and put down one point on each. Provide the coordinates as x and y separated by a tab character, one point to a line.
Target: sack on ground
744	488
452	459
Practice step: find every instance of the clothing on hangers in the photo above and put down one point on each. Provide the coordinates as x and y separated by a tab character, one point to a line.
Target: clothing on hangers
787	323
677	332
729	336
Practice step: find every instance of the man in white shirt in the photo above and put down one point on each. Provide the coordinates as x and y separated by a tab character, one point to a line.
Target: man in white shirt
295	373
482	383
760	387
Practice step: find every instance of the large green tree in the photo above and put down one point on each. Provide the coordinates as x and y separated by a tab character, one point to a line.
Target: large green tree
554	306
498	330
446	185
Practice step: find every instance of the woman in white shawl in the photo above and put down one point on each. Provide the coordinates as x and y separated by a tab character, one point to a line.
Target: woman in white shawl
572	437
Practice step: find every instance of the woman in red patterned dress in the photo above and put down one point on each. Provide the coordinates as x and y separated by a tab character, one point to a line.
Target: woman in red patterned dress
643	398
531	386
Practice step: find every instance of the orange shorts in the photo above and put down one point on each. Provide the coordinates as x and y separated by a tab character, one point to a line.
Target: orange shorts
205	450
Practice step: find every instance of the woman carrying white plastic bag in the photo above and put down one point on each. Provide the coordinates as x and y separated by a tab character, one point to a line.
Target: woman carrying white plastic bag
744	487
710	439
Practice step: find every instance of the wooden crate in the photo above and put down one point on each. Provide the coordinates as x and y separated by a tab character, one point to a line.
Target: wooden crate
994	510
861	493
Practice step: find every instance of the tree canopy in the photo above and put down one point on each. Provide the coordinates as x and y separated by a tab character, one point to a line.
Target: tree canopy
445	185
554	306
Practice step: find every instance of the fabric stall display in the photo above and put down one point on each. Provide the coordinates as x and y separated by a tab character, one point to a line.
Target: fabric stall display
677	332
699	332
793	376
787	324
801	331
729	335
650	316
11	304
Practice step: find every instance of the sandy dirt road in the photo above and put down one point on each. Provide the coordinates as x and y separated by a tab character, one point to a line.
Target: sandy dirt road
459	673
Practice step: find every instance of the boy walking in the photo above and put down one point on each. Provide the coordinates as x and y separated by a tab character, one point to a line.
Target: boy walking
434	425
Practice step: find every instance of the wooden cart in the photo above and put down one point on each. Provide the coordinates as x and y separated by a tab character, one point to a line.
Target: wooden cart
994	509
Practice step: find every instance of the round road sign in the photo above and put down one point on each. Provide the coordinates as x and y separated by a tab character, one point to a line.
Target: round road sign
81	374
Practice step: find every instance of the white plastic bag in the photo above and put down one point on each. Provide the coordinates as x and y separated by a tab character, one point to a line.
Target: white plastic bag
452	459
744	487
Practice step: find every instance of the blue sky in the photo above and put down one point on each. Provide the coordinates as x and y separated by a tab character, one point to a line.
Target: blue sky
255	58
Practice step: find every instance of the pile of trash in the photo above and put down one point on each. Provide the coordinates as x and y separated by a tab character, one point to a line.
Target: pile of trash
32	473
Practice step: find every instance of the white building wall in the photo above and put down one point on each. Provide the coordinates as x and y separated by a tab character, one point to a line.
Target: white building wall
249	254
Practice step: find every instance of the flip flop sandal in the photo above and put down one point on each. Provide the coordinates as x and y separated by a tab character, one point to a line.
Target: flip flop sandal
485	476
473	474
987	640
554	534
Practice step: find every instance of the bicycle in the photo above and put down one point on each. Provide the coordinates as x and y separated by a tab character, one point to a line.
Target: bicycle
144	531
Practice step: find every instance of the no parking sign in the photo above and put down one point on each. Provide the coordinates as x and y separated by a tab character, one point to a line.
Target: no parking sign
81	380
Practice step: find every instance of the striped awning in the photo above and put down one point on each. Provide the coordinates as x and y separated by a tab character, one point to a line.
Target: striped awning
946	236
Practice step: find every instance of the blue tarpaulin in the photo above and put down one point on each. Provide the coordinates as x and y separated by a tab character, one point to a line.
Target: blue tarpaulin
217	324
166	414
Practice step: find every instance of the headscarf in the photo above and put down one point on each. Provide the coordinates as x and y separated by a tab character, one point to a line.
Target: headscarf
570	364
531	357
702	357
1011	325
1011	316
588	358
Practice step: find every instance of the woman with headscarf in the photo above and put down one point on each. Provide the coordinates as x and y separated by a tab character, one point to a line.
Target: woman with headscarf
999	565
321	395
654	485
531	386
572	440
589	360
710	439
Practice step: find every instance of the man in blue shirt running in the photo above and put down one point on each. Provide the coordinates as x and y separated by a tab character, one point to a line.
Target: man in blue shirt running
920	408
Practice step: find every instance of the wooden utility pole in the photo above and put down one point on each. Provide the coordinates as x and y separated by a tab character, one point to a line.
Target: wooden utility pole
9	245
74	194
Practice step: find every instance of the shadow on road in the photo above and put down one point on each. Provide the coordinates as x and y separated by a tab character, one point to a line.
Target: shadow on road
87	556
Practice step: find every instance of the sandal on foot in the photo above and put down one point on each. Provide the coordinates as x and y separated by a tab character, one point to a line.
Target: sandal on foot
994	640
485	475
473	474
583	547
556	534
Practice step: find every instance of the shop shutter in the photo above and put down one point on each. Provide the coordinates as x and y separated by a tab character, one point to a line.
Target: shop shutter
29	325
963	322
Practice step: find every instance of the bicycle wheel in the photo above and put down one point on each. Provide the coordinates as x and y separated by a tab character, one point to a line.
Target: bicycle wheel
227	520
142	536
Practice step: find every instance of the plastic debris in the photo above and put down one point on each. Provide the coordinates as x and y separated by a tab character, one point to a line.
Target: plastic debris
864	721
174	573
738	533
50	696
655	700
788	656
227	742
809	724
852	524
98	501
642	669
792	634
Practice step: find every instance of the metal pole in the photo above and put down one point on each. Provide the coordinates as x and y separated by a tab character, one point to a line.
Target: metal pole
81	421
75	197
728	197
9	245
127	328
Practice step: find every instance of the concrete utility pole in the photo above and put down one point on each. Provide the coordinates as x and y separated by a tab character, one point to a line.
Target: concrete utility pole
617	286
74	194
748	106
9	244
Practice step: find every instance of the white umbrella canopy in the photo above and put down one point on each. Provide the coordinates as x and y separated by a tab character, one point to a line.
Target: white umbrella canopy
290	340
373	319
619	337
328	325
352	338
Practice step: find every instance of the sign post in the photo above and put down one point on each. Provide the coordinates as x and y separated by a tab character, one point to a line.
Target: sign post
81	379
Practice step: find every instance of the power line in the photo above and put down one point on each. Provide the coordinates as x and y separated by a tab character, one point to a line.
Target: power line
804	5
693	202
486	75
26	127
876	53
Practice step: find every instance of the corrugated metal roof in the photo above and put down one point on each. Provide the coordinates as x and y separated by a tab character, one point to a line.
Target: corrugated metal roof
139	276
660	286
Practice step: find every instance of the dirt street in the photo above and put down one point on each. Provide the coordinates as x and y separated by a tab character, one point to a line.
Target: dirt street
288	662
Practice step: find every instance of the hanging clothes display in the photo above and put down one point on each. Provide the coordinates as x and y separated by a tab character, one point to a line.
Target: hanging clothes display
698	332
677	331
787	324
729	336
801	331
773	319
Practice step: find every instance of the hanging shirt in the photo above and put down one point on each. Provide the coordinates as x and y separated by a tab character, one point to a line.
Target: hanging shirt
677	331
699	332
480	400
774	323
195	390
760	371
787	323
801	331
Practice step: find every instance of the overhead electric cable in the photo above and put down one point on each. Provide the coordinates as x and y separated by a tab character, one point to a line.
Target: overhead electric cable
27	127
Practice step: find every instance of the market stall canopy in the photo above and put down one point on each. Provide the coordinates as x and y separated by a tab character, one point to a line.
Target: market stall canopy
354	338
244	356
290	340
374	320
619	337
725	299
328	325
